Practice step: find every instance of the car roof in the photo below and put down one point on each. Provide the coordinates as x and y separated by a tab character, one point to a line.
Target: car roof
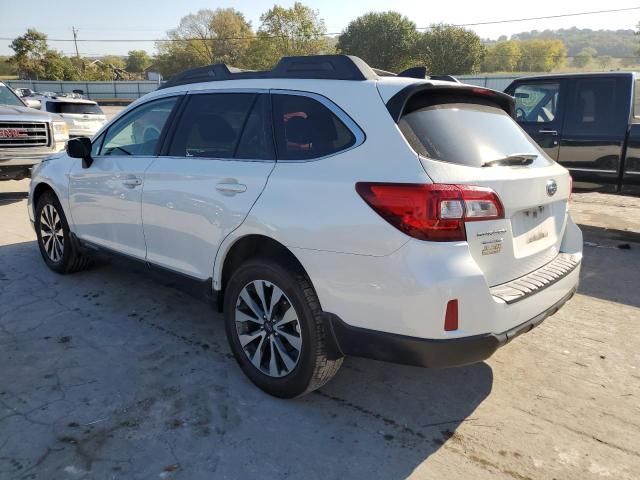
62	99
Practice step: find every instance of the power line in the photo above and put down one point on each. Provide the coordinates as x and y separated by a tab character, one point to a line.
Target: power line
546	17
331	34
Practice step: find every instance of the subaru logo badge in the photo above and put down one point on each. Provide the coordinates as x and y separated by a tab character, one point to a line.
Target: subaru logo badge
552	187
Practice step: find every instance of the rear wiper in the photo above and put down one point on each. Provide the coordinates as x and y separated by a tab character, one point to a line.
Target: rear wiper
513	159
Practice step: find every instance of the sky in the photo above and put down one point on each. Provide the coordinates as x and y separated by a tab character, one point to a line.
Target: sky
131	19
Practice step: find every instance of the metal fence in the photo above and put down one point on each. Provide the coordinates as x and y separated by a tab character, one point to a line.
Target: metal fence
93	90
131	90
495	82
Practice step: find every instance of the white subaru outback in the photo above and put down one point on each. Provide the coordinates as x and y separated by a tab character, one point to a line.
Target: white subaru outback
331	211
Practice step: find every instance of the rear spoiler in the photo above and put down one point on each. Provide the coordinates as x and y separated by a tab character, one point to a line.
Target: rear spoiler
398	103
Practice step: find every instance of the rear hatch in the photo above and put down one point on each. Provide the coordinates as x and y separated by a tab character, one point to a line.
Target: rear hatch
80	116
466	136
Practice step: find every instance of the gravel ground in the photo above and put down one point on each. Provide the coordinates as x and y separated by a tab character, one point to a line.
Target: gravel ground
111	374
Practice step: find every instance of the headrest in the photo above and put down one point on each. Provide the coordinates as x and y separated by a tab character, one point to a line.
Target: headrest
298	130
214	128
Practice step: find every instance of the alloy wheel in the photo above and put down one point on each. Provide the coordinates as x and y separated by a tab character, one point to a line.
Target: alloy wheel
51	233
268	328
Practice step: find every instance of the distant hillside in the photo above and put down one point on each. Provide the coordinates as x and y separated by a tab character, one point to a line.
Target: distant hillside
616	43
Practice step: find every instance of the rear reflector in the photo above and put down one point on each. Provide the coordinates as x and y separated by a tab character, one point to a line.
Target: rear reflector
451	316
434	212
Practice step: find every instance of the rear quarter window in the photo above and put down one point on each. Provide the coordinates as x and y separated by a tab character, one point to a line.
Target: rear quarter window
306	129
466	134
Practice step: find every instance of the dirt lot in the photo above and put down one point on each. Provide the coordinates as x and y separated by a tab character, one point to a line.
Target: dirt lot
111	374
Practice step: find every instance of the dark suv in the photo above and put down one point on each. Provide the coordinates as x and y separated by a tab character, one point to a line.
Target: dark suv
588	122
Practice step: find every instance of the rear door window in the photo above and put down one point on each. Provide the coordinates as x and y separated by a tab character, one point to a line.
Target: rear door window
211	125
306	129
467	134
599	106
537	102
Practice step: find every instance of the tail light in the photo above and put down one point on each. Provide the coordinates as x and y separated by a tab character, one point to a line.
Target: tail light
435	212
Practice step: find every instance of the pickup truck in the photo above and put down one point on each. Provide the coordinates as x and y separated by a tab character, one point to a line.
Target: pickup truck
588	122
26	135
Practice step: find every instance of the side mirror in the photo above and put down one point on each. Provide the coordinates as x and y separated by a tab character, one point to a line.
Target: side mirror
32	103
80	148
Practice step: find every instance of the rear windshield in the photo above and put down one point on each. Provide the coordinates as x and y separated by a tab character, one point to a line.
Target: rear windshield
467	134
79	108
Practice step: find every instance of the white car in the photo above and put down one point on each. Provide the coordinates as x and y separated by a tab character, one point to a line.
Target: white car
83	117
330	211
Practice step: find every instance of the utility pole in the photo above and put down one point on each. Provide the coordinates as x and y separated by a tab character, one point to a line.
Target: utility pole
75	40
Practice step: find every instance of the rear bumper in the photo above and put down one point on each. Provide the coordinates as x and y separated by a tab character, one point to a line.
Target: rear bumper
406	350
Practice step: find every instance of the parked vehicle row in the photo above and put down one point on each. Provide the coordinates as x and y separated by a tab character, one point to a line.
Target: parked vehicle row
329	210
26	135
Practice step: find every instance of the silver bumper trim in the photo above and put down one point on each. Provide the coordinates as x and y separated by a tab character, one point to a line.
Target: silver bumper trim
539	279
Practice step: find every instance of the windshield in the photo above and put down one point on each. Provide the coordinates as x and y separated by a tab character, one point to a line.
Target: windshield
74	107
7	97
467	134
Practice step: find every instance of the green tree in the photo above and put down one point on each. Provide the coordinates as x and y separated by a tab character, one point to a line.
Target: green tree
447	49
114	60
502	57
30	50
203	38
7	69
58	67
542	55
298	30
384	40
604	61
584	57
137	61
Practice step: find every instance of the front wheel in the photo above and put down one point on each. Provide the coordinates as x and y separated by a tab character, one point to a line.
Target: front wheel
275	329
54	237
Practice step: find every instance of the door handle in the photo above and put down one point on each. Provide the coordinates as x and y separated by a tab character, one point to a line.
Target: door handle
132	182
231	188
548	132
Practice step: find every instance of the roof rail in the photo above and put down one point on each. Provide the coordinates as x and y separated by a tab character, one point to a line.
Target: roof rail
325	67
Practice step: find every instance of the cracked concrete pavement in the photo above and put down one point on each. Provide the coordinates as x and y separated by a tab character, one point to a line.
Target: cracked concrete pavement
113	374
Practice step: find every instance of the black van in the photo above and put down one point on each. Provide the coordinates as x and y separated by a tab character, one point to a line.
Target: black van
589	122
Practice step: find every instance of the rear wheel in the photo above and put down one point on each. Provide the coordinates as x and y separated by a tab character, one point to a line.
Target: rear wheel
275	329
54	237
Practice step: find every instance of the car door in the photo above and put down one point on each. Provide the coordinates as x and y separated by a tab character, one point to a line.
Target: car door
105	198
215	166
539	111
595	129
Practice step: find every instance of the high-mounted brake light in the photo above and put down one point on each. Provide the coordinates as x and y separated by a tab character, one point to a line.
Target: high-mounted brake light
482	91
435	212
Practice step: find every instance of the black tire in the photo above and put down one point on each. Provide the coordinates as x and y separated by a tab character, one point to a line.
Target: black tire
70	259
314	367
